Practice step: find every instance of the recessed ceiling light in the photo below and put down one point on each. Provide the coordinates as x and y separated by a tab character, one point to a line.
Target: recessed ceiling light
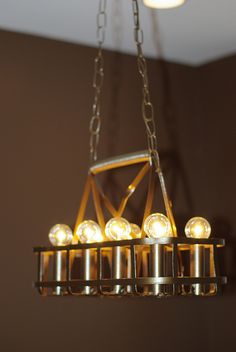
163	4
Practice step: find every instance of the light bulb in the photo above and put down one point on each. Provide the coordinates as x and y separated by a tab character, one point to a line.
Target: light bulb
89	232
118	229
60	235
157	225
198	227
135	231
163	4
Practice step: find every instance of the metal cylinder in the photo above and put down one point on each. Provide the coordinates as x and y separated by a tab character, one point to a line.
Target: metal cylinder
116	267
198	267
212	271
58	271
157	266
129	269
87	269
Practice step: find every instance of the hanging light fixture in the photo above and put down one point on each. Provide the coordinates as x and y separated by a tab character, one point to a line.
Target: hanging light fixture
163	4
111	256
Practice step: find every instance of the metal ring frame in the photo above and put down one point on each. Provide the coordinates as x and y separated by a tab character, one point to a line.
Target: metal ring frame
132	284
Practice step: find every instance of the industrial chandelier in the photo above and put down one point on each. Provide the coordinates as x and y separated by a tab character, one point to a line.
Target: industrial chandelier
109	255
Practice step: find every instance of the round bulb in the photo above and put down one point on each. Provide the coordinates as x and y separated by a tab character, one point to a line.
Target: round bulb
135	231
89	232
118	229
60	235
198	227
157	225
163	4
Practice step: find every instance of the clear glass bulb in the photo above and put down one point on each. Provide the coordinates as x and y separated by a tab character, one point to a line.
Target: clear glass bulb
60	235
135	231
89	232
163	4
198	227
118	229
157	225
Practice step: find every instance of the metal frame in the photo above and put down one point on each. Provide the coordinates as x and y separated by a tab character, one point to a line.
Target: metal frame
138	267
100	199
175	281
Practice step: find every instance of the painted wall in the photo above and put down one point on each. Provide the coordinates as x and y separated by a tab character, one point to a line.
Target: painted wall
45	105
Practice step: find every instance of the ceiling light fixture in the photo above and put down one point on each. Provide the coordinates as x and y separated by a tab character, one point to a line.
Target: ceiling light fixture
163	4
111	256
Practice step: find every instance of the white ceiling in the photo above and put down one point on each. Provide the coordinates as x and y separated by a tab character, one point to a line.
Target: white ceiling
198	32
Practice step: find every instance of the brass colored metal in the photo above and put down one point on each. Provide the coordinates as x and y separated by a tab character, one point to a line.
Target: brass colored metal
84	202
109	206
97	204
100	199
129	268
117	267
213	287
58	271
182	242
87	269
197	266
167	203
149	200
120	161
168	280
134	280
132	187
157	264
98	195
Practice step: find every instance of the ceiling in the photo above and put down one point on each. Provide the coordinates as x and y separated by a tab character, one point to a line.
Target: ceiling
196	33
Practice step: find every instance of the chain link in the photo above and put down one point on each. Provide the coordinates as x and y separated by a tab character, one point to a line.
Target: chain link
147	106
95	122
148	114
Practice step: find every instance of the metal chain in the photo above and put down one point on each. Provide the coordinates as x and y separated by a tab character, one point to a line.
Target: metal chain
148	113
147	106
95	122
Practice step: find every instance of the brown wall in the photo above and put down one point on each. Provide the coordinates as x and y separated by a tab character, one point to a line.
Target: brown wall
45	105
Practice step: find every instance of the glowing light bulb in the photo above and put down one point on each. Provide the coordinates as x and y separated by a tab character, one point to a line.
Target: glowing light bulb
157	225
135	231
89	232
118	229
163	4
60	235
198	227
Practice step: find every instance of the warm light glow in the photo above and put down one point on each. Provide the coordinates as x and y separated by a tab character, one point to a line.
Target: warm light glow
198	227
89	232
163	4
60	235
135	231
118	229
157	225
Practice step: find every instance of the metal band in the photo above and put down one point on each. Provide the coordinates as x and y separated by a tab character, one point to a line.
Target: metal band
120	161
167	280
219	242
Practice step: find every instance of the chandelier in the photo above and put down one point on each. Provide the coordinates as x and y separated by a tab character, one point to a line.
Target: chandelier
108	255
